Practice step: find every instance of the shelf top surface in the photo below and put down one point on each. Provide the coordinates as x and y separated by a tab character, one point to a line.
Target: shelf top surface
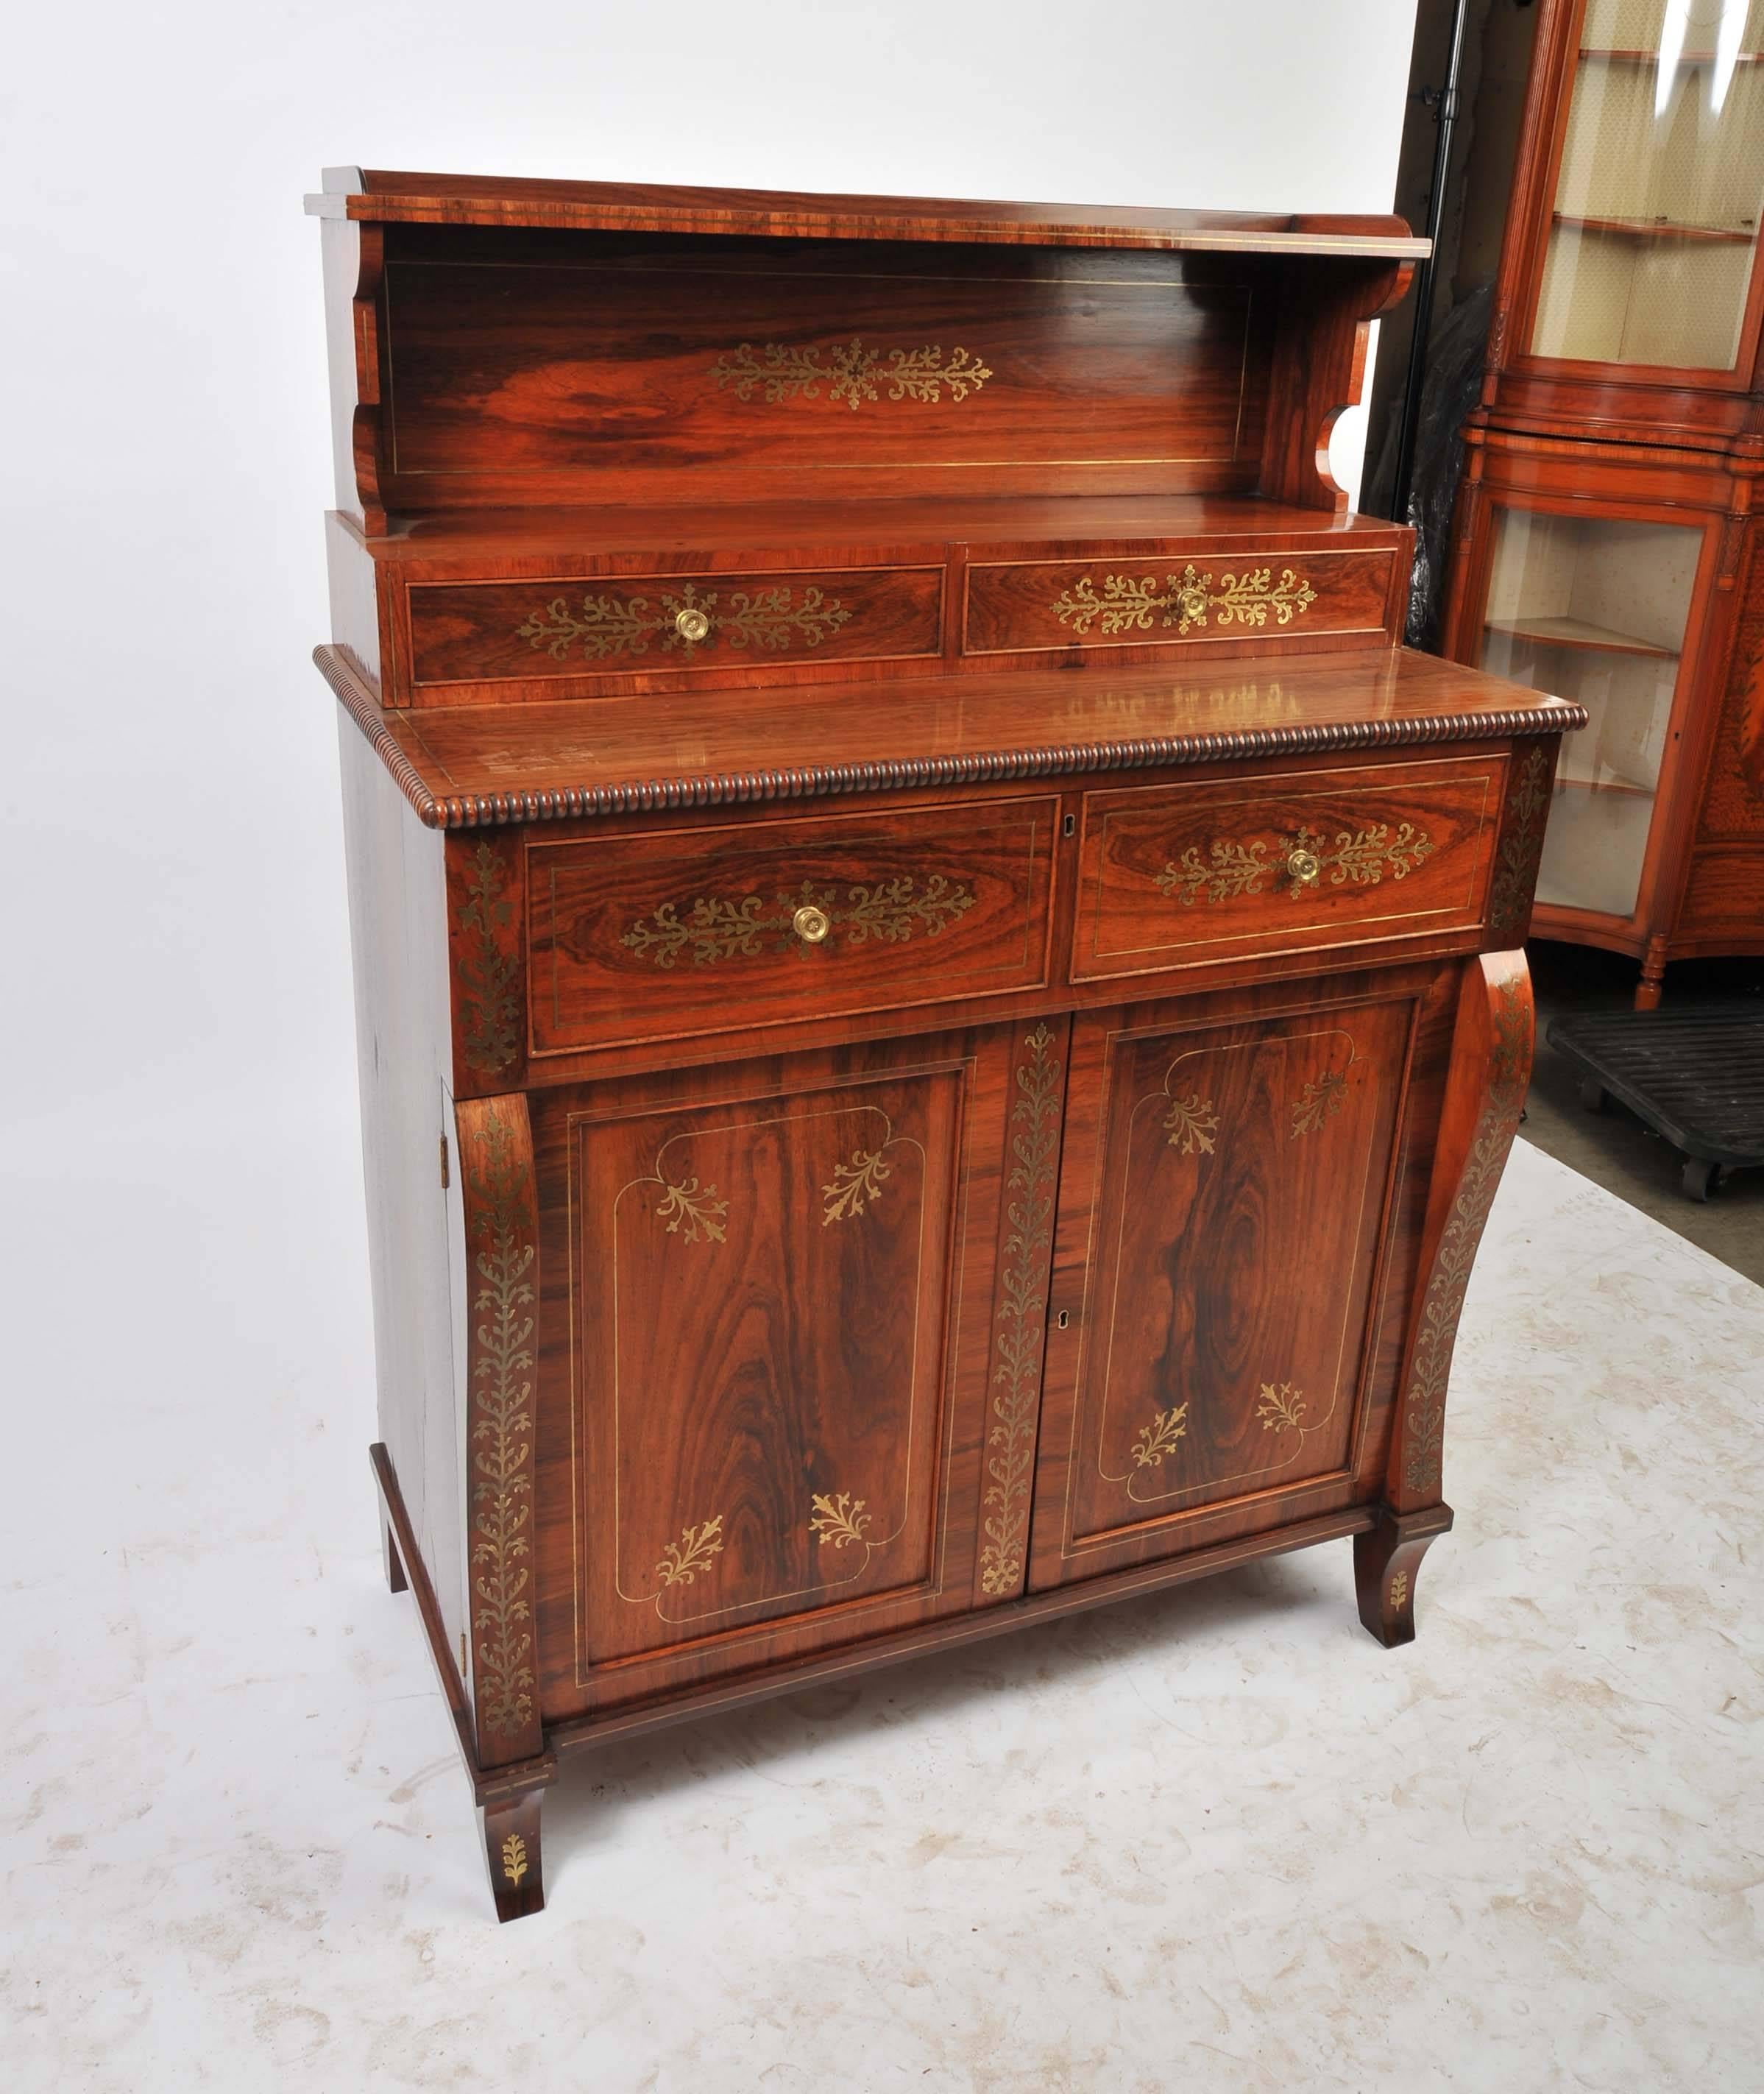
869	527
465	765
382	197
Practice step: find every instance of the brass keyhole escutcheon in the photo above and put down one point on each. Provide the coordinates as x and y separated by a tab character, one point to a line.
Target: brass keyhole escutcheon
1304	866
692	625
812	924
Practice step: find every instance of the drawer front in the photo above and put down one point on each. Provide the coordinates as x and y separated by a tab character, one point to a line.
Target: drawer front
1191	876
1147	602
677	626
679	933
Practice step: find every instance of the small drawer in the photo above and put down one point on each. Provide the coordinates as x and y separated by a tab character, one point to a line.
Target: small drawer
679	931
619	627
1157	600
1189	875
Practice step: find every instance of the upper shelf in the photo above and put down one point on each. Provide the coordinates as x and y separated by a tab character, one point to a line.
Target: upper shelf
377	197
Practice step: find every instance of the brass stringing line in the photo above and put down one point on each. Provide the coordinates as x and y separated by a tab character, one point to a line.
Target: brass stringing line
1189	599
768	1599
1022	1314
1430	1368
502	1493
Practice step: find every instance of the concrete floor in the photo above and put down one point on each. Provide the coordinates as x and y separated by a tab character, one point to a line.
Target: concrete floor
1216	1839
1613	1148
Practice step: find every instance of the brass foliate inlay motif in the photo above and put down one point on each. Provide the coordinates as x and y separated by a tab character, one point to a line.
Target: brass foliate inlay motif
1189	602
502	1482
1191	1125
1159	1438
715	928
1232	869
682	1560
760	620
1320	1100
851	374
1522	841
1280	1407
514	1858
1399	1589
839	1520
489	978
1430	1368
855	1185
1021	1319
696	1209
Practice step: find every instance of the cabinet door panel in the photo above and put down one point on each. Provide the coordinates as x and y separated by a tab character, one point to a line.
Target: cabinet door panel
780	1291
1226	1183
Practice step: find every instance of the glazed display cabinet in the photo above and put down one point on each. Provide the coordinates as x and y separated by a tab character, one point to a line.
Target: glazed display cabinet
1605	539
939	1001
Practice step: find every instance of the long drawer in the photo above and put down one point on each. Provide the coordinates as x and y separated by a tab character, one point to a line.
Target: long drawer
609	627
1188	875
676	932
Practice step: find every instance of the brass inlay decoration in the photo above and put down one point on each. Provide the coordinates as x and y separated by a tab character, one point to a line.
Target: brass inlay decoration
840	1520
1191	1125
1022	1314
1399	1589
503	1488
489	979
1431	1366
683	1560
856	1185
1280	1407
605	626
714	929
514	1858
1231	870
1159	1438
697	1206
1320	1100
782	371
1521	842
1187	600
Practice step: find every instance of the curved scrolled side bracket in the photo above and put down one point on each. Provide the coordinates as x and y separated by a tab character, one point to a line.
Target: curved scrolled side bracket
355	268
1318	371
1484	1096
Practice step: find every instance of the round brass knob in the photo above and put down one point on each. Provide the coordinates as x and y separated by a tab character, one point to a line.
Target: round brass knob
1304	866
691	624
812	924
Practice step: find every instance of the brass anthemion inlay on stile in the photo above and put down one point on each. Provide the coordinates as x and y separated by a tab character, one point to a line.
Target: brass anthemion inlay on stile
852	375
714	929
1187	602
756	620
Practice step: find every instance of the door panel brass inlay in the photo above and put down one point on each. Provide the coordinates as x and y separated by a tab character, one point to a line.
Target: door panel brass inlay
1022	1314
1280	1407
1187	600
715	929
1320	1100
697	1206
1159	1438
855	1185
1231	870
838	1520
1191	1125
683	1560
608	625
782	371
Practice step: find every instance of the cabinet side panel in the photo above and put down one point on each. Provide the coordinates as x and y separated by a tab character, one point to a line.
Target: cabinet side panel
398	934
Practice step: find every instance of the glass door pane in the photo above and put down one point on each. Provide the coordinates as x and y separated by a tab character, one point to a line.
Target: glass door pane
1596	611
1656	203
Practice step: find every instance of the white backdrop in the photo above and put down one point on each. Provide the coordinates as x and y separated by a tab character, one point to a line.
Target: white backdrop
186	1370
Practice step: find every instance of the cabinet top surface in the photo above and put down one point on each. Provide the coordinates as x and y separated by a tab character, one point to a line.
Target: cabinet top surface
377	196
469	765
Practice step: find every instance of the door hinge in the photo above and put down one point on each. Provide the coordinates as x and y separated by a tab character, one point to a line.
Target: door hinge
446	1174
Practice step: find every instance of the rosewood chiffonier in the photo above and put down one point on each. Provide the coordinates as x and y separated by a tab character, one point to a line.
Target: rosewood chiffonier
939	1003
